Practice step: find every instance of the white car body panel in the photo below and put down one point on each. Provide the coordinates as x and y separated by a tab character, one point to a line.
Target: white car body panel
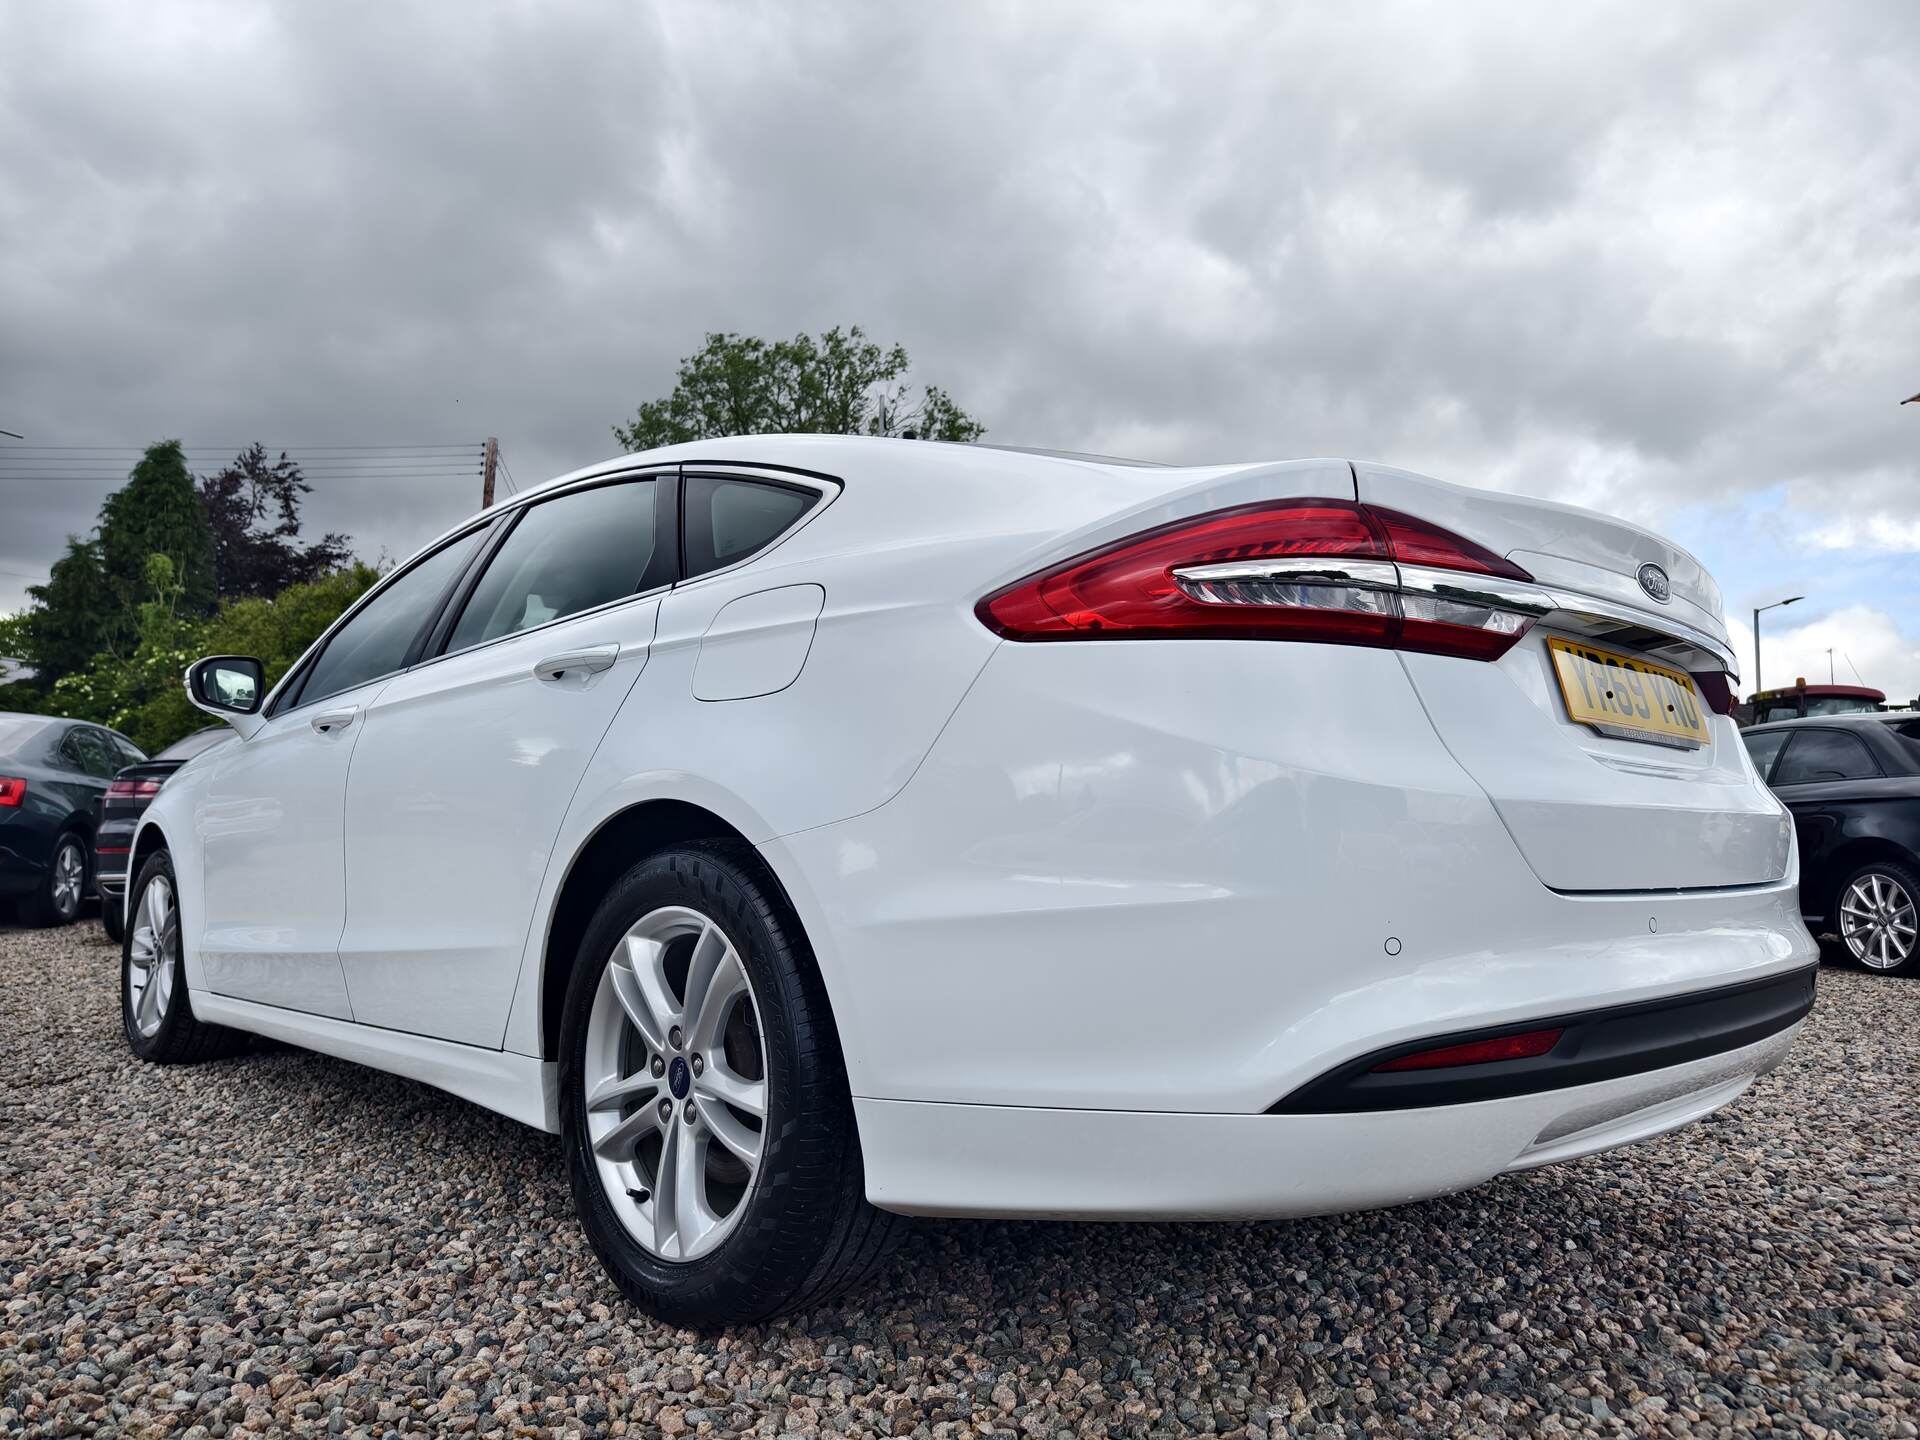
1125	835
463	772
271	831
1071	901
992	1160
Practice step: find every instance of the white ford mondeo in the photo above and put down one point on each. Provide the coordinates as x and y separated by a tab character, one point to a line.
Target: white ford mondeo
812	829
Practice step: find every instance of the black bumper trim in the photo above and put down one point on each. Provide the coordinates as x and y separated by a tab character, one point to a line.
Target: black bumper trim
1598	1045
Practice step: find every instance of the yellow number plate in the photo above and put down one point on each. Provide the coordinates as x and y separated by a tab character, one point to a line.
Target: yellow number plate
1627	698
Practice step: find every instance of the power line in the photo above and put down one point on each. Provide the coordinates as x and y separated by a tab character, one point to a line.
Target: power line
461	445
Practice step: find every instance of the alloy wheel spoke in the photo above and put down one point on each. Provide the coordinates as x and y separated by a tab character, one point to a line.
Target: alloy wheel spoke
619	1142
721	1085
725	1127
614	1091
642	991
155	904
711	954
692	1216
149	997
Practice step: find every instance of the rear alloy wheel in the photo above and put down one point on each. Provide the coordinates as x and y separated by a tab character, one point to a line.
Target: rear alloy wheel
58	902
703	1103
676	1117
1878	921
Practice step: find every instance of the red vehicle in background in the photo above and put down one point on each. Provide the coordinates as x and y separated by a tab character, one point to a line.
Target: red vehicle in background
1799	700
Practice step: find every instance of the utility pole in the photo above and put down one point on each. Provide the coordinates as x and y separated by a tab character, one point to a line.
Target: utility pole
492	463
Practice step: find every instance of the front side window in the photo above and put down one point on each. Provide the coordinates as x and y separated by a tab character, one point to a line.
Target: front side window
376	640
1817	755
565	555
730	519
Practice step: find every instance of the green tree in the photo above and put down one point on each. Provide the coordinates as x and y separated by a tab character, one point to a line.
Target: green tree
72	618
841	383
157	512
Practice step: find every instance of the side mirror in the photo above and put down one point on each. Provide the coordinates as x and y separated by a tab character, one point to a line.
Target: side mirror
227	685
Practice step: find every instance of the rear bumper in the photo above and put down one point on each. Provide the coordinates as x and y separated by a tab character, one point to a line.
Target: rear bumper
112	845
988	1160
1197	876
1592	1045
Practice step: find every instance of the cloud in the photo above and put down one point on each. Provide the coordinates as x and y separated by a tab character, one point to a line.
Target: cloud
1643	265
1868	647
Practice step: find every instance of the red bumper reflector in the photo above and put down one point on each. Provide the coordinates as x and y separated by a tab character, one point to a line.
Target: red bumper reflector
1478	1052
112	849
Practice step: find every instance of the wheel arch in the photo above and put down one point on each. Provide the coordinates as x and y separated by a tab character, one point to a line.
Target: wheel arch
148	839
1848	858
638	830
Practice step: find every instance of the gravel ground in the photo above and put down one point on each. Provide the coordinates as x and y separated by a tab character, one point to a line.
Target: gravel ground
284	1243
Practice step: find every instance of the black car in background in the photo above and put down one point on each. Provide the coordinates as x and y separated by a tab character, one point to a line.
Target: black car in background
117	816
1853	785
51	773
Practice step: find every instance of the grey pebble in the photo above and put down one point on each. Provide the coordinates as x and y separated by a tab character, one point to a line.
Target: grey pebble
285	1243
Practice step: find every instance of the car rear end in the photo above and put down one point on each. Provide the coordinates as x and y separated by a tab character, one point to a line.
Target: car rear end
116	816
1319	837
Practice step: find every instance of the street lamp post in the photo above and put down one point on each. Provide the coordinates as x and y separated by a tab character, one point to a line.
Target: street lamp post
1756	635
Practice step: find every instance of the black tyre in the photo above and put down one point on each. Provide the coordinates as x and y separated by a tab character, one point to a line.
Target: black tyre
704	1107
57	901
111	920
155	1009
1876	914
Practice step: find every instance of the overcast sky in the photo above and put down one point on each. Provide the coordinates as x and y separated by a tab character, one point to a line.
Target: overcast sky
1661	260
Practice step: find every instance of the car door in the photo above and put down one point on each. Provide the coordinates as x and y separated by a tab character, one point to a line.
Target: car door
1825	777
466	764
273	821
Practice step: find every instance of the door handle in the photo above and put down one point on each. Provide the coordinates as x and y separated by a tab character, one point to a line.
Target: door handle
328	721
577	662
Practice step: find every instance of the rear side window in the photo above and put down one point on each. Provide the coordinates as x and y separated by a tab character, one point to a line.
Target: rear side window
376	640
566	555
1765	748
89	751
729	520
1818	755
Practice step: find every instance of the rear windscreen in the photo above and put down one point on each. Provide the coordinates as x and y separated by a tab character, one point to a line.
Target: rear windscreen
16	730
191	746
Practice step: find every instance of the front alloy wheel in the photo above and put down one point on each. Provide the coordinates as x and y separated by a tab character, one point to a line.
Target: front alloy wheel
155	1008
153	955
1878	921
703	1102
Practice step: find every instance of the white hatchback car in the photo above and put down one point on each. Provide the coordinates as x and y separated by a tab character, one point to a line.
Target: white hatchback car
809	829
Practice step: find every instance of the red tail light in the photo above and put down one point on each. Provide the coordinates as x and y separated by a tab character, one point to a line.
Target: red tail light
12	792
133	789
1715	690
1477	1052
1321	570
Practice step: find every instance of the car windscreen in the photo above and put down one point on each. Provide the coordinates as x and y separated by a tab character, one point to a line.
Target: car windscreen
17	730
195	743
